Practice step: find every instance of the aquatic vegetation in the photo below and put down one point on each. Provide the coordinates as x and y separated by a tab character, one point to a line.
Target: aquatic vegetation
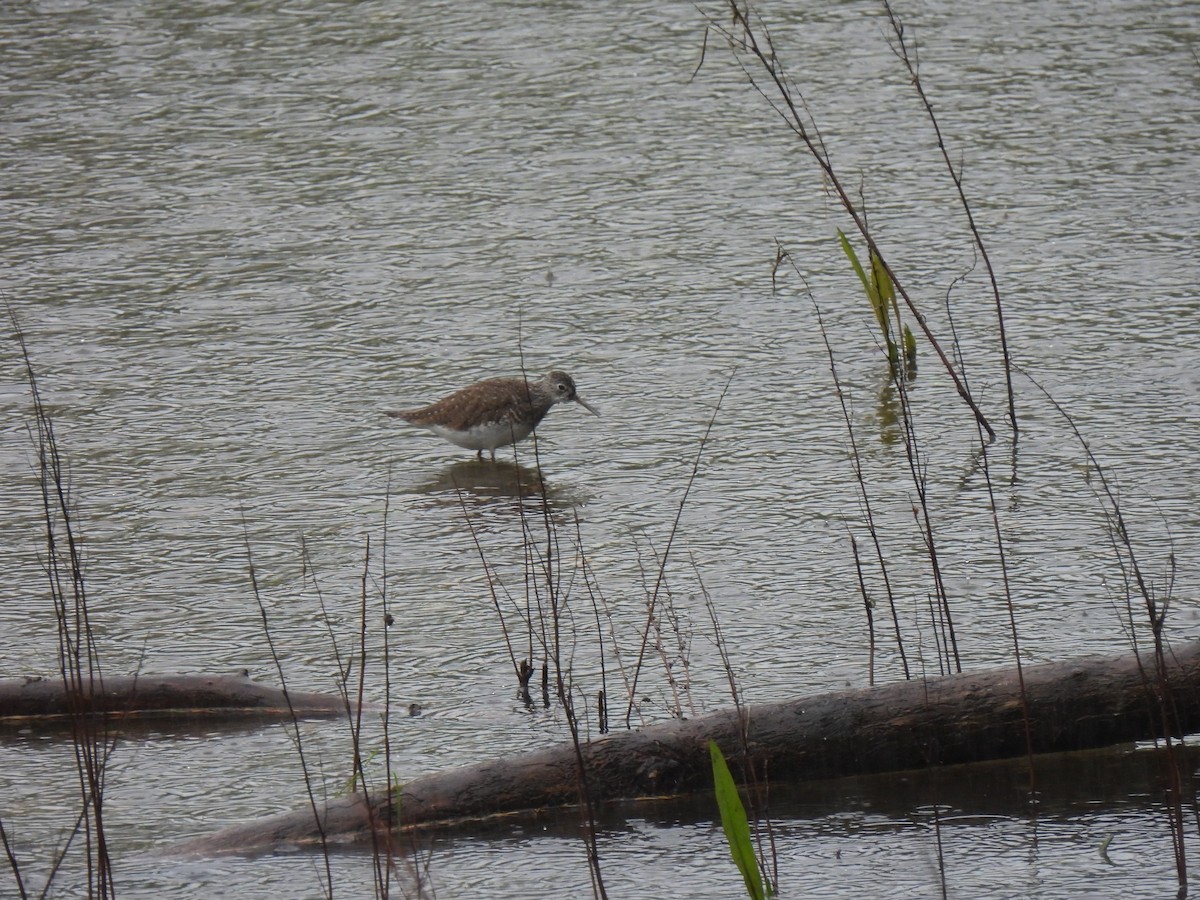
736	825
881	292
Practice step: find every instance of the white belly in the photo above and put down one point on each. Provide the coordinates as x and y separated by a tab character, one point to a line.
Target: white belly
484	437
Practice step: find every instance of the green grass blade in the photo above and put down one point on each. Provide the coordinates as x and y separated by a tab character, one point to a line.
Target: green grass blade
869	283
883	299
884	288
910	347
853	257
733	820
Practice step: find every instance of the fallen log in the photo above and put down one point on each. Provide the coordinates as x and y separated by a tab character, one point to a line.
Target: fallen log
1084	703
26	702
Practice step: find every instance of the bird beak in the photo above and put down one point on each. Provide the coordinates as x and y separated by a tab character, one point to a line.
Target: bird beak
587	406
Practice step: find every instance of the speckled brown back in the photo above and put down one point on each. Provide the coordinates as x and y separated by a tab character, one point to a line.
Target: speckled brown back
483	403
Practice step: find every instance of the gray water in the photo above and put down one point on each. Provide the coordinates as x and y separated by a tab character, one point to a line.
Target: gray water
233	234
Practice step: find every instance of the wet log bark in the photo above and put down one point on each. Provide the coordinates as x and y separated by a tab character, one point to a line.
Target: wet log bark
34	702
1085	703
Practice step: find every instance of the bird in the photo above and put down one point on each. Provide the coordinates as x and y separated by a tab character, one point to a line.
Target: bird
494	412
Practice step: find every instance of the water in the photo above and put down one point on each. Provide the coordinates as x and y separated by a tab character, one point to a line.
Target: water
233	234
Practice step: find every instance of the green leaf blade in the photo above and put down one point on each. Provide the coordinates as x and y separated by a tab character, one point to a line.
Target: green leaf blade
735	823
853	257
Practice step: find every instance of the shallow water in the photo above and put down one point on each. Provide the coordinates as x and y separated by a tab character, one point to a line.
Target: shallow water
234	234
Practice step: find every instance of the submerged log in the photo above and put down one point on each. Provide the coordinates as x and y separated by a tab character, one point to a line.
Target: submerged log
1085	703
27	702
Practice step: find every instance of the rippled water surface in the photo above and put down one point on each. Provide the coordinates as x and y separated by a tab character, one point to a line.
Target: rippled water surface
234	234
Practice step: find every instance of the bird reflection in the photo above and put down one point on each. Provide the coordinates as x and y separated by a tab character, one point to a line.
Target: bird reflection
486	490
487	479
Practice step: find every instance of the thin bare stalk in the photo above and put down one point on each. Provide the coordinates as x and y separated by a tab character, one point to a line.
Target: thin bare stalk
1012	617
855	460
941	856
924	522
1157	680
993	508
390	811
912	65
543	571
869	608
77	829
557	597
493	585
789	104
79	659
757	788
381	857
662	567
308	787
597	599
13	864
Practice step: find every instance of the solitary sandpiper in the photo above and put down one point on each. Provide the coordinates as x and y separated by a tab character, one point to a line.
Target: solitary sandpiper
494	412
